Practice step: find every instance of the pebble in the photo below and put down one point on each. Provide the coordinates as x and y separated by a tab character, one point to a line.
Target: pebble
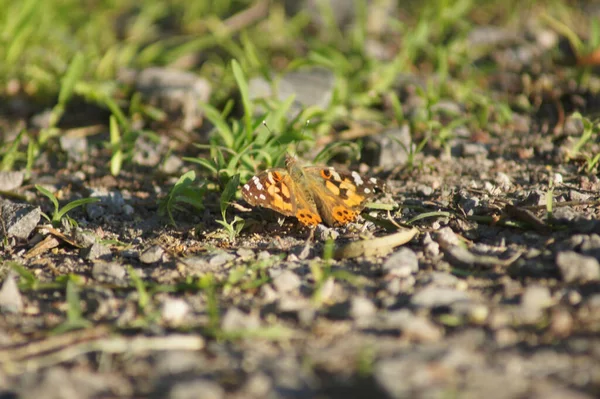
286	281
96	251
176	92
387	149
10	180
174	310
221	259
108	272
236	320
196	389
414	328
75	147
431	297
534	300
10	298
152	254
362	310
402	263
575	267
18	220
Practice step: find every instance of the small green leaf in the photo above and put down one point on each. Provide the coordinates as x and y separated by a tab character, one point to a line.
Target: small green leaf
229	192
48	194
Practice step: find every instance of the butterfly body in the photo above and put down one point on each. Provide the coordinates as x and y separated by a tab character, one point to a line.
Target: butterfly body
312	194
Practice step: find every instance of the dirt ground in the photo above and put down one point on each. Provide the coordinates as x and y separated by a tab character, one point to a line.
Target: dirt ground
496	296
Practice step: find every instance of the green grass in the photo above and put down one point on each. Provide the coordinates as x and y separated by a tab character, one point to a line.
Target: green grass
61	54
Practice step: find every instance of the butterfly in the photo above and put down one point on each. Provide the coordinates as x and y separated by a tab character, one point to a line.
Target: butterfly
312	194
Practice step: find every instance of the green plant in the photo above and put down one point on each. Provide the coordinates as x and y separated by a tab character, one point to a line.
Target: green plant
234	227
183	192
591	130
59	212
140	287
75	319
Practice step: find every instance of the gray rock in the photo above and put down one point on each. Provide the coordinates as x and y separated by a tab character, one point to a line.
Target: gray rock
96	251
467	150
467	202
108	272
431	297
221	259
441	279
11	180
152	254
415	328
534	300
503	181
171	165
196	389
60	383
362	310
575	267
402	263
174	310
10	297
236	320
148	152
176	92
311	87
83	237
245	253
76	147
286	281
18	220
388	149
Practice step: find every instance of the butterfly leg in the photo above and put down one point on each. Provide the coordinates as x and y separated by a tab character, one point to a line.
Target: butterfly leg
307	245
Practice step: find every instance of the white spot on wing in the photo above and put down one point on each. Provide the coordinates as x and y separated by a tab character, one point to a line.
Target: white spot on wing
373	180
246	187
262	197
357	179
367	191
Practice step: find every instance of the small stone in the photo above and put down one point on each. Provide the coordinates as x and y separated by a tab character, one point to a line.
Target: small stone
10	297
286	281
533	301
236	320
196	389
402	263
441	279
128	210
575	267
96	251
503	181
388	149
221	259
472	149
152	254
245	253
414	328
11	180
447	237
536	297
108	272
362	309
83	238
561	323
18	220
467	202
76	147
176	92
310	86
431	297
174	310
